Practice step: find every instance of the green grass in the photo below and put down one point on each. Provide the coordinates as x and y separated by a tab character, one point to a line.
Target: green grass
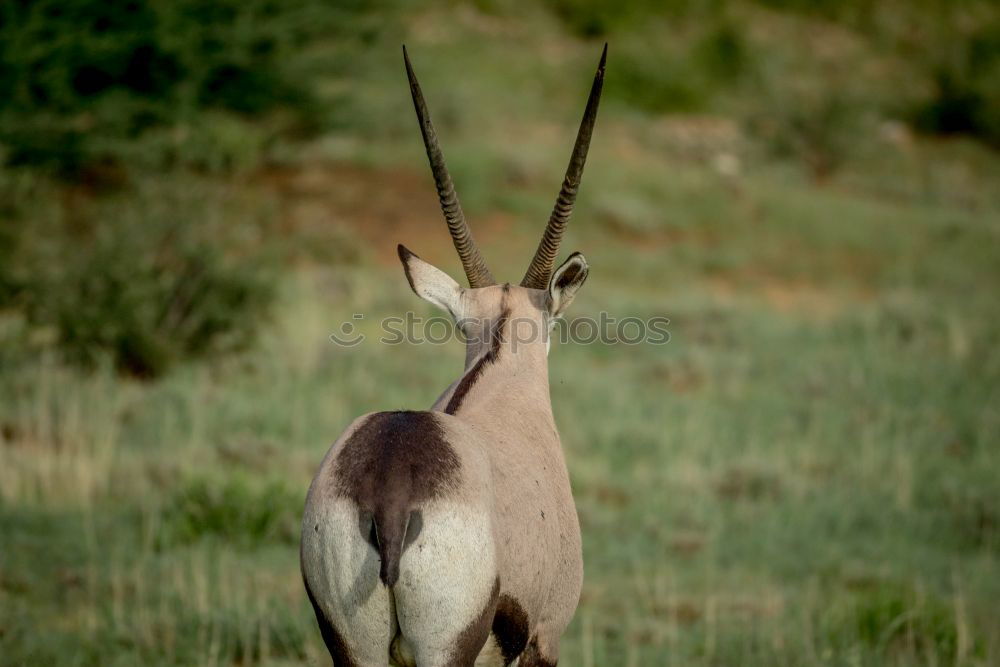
805	475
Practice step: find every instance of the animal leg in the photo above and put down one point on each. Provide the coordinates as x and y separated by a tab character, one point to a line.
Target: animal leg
340	569
447	590
534	656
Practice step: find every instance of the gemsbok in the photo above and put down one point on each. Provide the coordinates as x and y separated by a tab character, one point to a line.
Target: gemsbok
450	536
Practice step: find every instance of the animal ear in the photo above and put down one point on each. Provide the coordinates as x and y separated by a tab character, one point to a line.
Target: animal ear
430	283
565	282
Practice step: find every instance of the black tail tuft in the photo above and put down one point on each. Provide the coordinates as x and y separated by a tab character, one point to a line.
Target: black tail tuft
390	528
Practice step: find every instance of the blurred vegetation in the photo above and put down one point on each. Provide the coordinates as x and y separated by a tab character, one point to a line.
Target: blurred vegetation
236	511
965	97
195	195
94	91
80	79
140	281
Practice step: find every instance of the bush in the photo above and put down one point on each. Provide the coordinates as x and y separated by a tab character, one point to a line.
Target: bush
965	98
75	72
724	53
654	81
143	282
598	18
588	19
150	306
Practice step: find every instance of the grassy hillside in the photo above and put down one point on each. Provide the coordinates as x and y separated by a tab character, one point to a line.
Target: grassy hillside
805	475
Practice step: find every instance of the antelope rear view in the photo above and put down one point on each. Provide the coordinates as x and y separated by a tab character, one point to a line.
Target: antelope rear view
450	536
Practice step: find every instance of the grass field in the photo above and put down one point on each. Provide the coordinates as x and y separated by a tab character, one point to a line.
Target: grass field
807	474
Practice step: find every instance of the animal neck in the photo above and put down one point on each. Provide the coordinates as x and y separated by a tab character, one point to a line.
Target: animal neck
503	380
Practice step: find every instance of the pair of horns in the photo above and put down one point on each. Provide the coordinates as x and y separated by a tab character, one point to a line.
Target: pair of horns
540	269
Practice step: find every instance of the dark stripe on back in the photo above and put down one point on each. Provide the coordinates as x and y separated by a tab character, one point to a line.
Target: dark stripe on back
510	627
469	379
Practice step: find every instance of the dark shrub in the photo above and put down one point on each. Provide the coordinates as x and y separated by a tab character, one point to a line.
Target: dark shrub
150	305
74	73
655	81
144	283
965	98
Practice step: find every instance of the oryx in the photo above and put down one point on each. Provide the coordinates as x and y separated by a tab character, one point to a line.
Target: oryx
449	536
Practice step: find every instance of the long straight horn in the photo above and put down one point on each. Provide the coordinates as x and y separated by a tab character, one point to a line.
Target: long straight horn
541	265
472	261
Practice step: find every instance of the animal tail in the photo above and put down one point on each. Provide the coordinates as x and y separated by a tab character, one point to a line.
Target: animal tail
390	530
